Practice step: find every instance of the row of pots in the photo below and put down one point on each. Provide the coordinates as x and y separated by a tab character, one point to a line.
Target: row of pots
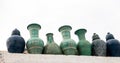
35	45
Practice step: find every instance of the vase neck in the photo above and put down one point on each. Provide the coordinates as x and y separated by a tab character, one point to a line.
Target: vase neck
66	34
34	33
81	37
50	39
81	34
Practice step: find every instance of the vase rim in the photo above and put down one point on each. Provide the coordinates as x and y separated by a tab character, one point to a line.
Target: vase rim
65	27
79	30
49	34
33	24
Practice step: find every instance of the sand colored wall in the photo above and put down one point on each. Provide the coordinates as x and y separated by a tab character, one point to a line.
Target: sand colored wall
38	58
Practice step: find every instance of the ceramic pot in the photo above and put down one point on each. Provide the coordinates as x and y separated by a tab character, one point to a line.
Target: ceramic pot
84	46
15	43
98	46
113	45
34	45
51	47
68	45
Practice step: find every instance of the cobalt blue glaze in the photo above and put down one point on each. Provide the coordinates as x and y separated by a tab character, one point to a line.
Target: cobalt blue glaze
113	46
15	43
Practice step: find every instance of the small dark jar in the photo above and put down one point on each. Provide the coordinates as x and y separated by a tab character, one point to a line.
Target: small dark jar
113	46
15	43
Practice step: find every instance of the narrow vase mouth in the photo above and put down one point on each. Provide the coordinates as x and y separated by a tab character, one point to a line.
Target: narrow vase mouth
49	34
109	36
15	32
33	25
95	36
79	31
65	27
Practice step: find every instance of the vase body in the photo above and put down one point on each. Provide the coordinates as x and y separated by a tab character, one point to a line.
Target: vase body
98	46
34	44
113	46
15	43
67	45
51	47
84	46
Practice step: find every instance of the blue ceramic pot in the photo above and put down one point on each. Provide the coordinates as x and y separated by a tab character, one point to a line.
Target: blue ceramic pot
15	43
113	45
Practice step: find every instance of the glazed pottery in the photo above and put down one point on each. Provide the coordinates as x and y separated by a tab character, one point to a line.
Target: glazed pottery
34	45
15	43
68	45
51	47
84	46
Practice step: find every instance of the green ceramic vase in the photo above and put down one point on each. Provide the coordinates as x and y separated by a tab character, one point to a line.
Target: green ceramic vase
51	47
68	45
34	44
84	46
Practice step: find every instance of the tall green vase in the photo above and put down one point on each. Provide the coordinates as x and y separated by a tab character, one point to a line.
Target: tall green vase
51	47
84	46
34	44
68	45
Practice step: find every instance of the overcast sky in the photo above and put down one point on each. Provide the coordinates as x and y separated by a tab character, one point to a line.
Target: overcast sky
97	16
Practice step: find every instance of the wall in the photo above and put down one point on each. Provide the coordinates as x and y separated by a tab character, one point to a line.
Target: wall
40	58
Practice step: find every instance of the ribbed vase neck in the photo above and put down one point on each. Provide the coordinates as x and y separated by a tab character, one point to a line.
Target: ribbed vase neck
65	31
66	34
34	29
50	37
34	33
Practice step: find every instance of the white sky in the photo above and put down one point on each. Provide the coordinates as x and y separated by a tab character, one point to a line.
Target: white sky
100	16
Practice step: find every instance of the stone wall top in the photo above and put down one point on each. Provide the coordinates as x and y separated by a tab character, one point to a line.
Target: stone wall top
42	58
